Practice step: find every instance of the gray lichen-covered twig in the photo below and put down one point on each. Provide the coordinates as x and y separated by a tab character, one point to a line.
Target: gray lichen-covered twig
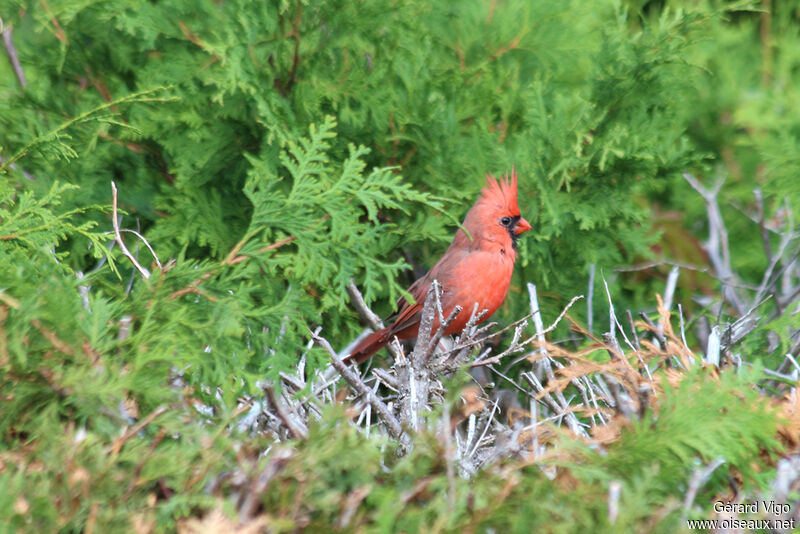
392	424
8	44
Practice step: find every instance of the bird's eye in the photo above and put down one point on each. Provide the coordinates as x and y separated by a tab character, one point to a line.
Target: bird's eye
505	221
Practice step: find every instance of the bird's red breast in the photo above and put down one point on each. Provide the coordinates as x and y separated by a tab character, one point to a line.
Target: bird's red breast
475	268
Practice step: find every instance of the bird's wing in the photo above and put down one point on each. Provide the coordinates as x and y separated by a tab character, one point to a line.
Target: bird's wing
409	314
443	271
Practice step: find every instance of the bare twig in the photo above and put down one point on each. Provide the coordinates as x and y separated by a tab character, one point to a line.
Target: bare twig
437	336
699	477
655	329
389	380
572	421
613	321
669	291
414	374
761	226
296	427
367	314
614	492
427	318
485	429
114	217
234	258
8	43
589	299
392	424
537	316
514	346
473	340
652	264
745	324
717	244
633	329
258	486
547	398
683	334
361	307
140	236
448	456
118	443
496	359
560	316
714	342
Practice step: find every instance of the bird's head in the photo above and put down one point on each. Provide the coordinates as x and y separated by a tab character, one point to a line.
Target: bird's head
496	216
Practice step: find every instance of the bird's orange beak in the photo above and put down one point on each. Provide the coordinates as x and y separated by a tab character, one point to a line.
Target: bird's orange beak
522	226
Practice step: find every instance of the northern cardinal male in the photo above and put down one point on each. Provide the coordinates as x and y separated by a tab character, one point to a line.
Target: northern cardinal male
477	270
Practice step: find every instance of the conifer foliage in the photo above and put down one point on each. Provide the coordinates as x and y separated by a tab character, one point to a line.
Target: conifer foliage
201	201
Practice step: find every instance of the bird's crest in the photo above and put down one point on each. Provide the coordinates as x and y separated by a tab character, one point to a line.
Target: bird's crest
502	193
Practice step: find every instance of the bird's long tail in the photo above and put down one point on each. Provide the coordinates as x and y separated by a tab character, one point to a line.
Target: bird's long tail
369	346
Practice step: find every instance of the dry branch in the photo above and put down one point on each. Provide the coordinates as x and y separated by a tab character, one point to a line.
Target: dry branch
296	428
392	424
717	244
361	307
8	43
115	220
370	317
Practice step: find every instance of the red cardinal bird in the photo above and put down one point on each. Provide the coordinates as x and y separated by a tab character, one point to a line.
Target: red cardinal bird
477	270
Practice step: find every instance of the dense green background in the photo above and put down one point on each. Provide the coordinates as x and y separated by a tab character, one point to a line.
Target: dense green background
316	142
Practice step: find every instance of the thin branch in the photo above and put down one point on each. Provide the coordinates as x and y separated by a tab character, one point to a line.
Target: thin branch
633	329
717	244
140	236
669	290
746	323
761	226
296	58
448	456
713	350
496	359
437	336
141	96
388	380
297	429
699	477
656	330
614	492
370	317
561	315
537	315
116	446
361	307
252	497
392	424
12	54
234	258
426	324
485	429
613	321
572	421
590	298
114	217
474	320
653	264
514	346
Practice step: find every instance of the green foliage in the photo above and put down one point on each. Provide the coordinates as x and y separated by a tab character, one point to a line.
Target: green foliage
700	419
29	222
590	112
744	116
271	152
334	241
